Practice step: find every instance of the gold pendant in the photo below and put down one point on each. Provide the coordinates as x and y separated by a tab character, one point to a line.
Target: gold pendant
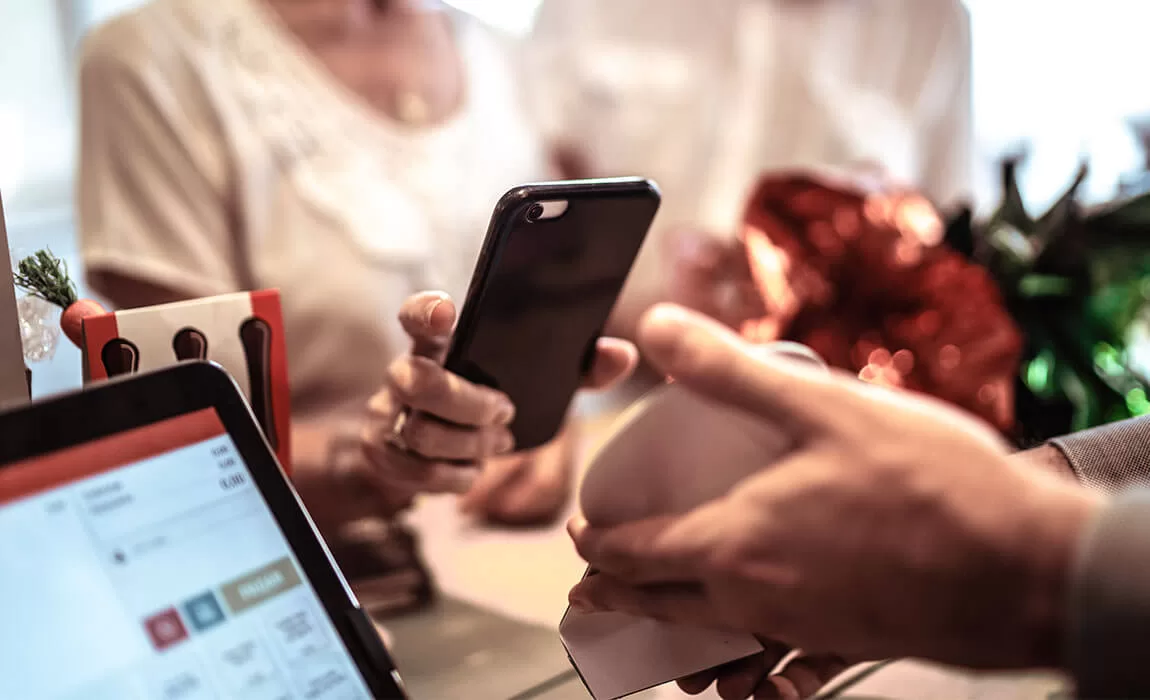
412	108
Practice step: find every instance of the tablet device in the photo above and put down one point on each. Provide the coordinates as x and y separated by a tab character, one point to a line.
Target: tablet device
151	547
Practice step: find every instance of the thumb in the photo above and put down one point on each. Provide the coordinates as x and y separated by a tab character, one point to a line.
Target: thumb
711	360
428	318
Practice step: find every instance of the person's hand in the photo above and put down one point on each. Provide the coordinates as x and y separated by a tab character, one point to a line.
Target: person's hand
526	488
712	275
430	430
530	488
895	527
761	676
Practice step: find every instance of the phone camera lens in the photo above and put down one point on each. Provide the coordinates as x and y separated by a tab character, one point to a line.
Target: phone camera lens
535	212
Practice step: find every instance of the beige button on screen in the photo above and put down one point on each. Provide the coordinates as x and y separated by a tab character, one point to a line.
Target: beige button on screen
260	585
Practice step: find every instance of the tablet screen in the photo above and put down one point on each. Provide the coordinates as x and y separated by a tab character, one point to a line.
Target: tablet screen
148	565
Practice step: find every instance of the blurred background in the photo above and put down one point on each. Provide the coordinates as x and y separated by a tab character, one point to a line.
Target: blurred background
1038	324
1043	73
1047	75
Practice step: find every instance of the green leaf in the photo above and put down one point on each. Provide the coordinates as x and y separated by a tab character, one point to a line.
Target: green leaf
44	275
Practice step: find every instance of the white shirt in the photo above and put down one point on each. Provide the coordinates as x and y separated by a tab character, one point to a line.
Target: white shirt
703	96
218	155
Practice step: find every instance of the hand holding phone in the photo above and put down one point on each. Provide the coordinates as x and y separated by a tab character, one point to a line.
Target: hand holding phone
554	260
426	426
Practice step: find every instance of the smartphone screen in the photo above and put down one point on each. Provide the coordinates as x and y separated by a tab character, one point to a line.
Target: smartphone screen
556	258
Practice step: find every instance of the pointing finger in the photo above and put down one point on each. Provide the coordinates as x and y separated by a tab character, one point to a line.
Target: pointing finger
706	357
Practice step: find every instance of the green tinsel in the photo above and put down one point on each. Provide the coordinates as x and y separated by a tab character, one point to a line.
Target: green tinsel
1077	284
44	275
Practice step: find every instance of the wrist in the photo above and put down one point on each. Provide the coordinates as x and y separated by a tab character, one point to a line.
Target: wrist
1059	515
1049	459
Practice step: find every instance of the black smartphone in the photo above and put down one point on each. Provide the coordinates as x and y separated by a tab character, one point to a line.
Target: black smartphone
553	264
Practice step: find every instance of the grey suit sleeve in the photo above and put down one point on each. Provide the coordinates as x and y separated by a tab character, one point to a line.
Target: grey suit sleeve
1108	628
1110	458
1108	623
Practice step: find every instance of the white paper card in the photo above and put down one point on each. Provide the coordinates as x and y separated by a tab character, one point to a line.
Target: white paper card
617	655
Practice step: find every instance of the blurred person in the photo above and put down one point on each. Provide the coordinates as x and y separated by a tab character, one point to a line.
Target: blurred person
703	97
896	527
348	153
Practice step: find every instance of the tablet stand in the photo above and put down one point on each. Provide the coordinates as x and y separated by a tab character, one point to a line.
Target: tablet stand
14	387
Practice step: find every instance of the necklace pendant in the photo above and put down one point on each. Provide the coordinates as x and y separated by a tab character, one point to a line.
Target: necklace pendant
412	108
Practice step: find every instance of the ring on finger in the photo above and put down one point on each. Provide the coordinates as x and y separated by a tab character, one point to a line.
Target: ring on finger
394	435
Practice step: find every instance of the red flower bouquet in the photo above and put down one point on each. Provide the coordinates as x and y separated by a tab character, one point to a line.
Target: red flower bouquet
861	276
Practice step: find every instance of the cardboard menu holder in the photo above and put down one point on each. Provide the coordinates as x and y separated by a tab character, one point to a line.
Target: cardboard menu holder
242	332
671	452
15	379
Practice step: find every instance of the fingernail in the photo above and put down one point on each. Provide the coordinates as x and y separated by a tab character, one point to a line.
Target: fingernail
668	313
504	412
662	335
429	318
577	600
576	526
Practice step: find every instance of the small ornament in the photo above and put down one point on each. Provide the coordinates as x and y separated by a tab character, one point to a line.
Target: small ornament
1077	281
44	277
39	329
